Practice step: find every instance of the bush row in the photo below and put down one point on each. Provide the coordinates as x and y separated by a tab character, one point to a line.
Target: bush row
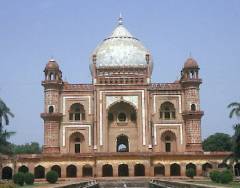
20	178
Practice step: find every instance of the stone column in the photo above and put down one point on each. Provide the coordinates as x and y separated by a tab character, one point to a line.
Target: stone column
183	169
148	169
63	171
79	171
115	170
31	168
131	170
199	170
167	169
99	170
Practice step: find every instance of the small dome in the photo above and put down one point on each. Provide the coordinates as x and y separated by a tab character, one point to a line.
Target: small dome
52	64
121	49
190	63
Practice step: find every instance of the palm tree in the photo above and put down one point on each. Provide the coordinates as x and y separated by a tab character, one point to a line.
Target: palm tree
235	109
4	114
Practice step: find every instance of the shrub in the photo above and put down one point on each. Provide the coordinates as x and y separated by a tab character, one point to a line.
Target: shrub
226	176
215	176
52	176
190	173
29	178
18	178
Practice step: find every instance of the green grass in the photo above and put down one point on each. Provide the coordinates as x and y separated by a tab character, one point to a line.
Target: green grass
230	185
34	185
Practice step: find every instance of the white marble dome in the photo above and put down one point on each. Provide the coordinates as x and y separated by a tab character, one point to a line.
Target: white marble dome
121	49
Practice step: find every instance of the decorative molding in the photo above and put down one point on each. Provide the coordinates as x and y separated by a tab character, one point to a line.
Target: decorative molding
179	101
131	99
143	112
76	97
169	126
77	126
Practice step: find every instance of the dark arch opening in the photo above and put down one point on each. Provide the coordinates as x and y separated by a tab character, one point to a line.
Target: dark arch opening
71	171
159	170
57	169
223	165
237	169
23	169
123	170
175	169
39	172
107	170
192	166
50	109
7	173
139	170
122	144
193	107
87	171
205	168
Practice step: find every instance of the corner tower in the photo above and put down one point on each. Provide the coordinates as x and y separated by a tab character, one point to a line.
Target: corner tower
52	87
192	114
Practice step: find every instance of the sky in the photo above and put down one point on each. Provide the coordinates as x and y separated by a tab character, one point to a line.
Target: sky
32	32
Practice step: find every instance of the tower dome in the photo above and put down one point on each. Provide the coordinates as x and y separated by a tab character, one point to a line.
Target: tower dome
190	63
121	49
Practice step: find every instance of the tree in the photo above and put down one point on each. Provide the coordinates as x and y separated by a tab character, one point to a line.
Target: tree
235	109
235	156
4	134
32	148
218	142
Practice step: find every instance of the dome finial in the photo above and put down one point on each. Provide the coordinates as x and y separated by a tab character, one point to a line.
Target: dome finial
120	19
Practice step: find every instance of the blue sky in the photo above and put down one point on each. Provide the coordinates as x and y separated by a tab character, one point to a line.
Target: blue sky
31	32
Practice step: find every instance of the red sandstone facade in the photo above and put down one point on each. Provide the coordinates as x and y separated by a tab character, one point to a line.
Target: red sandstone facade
122	124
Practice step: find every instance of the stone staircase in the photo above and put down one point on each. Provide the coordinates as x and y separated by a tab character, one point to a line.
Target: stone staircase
123	183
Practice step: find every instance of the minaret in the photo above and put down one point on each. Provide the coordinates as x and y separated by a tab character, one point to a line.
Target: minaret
192	114
52	87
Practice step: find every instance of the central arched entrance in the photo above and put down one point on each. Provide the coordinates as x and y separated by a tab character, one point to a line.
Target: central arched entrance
122	144
107	170
123	170
139	170
87	171
159	170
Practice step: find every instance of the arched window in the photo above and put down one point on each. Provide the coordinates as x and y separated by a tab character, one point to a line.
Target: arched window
71	171
193	107
193	167
57	169
87	171
122	117
76	142
107	170
50	109
169	141
7	173
237	169
39	172
206	168
123	170
167	111
159	170
122	144
175	169
77	112
23	169
139	170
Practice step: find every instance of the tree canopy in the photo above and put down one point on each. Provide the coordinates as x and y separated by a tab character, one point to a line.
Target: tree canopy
218	142
5	146
32	148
